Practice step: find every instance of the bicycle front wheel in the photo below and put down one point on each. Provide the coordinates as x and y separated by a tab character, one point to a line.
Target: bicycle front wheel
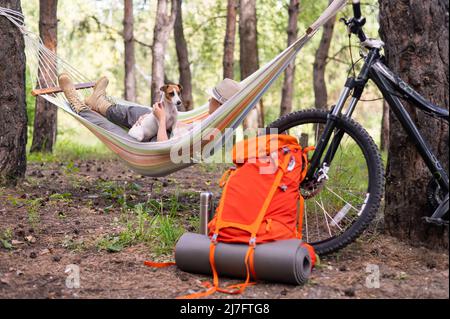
338	208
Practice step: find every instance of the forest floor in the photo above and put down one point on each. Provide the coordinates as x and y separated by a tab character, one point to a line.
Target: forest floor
94	214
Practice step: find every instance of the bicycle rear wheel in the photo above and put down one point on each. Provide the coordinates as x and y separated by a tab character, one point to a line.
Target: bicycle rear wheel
338	209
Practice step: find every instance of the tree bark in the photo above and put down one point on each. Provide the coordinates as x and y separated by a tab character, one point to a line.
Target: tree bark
229	42
130	59
289	73
416	36
183	61
384	138
13	115
45	119
165	20
249	58
320	62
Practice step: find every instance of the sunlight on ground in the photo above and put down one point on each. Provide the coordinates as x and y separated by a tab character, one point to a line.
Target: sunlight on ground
74	142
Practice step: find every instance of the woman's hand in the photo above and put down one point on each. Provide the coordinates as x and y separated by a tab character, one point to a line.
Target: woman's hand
159	112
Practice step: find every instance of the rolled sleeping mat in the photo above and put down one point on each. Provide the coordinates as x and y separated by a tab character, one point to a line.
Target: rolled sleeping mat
283	261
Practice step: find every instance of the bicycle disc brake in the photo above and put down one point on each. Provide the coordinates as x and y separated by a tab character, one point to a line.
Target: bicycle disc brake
312	188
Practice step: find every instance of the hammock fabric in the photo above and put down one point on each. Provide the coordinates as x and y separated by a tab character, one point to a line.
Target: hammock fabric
154	159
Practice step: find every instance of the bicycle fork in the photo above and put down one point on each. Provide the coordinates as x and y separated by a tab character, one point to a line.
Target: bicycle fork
316	164
356	85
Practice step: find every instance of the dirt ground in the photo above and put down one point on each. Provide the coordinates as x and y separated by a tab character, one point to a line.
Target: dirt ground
59	215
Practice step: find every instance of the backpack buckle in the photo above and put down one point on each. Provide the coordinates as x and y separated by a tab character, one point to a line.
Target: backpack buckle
214	238
252	241
291	165
283	187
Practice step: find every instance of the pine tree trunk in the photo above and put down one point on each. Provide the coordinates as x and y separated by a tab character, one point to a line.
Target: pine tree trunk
183	60
13	115
45	119
320	62
229	42
289	74
416	36
165	20
384	138
249	58
130	59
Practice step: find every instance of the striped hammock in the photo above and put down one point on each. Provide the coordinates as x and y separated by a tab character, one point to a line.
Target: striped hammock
154	159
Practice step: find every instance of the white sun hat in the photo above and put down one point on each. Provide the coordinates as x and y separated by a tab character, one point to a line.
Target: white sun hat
223	91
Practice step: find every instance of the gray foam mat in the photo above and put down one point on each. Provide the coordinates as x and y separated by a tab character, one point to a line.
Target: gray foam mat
283	261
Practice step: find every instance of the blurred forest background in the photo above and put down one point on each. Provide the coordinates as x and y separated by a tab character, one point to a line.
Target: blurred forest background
90	37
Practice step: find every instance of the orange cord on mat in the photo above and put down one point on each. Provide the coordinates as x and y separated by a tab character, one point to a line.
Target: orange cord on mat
214	287
158	265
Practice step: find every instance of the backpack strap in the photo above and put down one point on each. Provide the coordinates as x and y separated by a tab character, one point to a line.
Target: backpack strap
228	173
215	287
312	254
301	208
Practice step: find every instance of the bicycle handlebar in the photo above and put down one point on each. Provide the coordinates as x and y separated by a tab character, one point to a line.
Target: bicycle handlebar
357	22
357	9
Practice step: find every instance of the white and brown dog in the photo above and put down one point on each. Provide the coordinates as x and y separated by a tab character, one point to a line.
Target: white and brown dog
147	127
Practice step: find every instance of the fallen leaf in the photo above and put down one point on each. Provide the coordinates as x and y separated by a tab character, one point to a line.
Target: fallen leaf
44	252
5	281
30	239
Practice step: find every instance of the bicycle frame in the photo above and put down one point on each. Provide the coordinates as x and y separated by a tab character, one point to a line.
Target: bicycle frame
391	87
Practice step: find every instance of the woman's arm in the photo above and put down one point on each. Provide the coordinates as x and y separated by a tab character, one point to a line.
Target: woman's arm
160	114
162	131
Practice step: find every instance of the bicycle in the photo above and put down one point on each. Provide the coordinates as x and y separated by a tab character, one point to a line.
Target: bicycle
346	167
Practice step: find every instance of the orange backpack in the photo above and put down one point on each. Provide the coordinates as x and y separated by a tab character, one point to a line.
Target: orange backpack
261	194
261	201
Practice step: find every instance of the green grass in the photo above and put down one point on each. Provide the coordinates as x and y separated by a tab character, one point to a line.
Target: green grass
167	231
73	244
64	197
118	194
160	232
32	206
155	222
33	213
6	238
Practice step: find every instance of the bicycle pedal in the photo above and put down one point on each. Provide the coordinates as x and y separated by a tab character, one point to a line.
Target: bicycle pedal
435	221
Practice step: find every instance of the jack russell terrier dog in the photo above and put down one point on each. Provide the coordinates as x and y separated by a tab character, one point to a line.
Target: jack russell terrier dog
147	127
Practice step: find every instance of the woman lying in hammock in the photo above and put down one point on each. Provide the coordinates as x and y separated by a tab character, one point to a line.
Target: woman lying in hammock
127	115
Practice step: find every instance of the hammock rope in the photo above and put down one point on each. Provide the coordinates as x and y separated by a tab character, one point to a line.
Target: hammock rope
154	159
